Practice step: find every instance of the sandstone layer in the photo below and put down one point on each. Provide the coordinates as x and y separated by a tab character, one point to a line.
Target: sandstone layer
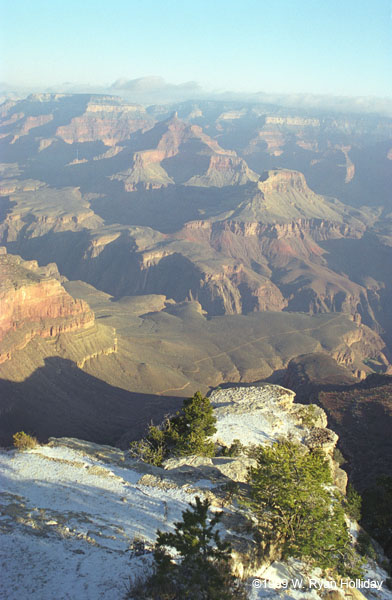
33	302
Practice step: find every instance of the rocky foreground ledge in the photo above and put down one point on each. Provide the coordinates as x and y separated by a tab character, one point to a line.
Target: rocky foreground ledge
71	510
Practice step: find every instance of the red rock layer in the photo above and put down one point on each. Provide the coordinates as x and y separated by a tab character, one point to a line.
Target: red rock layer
37	307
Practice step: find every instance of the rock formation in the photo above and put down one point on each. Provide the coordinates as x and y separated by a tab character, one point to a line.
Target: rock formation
33	302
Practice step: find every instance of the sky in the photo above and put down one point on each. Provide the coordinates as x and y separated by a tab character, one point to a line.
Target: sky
337	47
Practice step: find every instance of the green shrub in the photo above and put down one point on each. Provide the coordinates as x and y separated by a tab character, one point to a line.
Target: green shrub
338	457
235	449
297	512
182	435
201	571
365	546
231	490
353	503
308	415
153	448
23	441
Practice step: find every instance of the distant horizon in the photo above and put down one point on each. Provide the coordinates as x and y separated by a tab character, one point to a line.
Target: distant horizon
155	90
80	87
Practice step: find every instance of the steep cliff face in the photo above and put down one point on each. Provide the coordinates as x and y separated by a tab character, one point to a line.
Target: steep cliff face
277	243
146	171
230	267
186	271
105	122
236	290
235	264
33	302
30	123
290	257
10	186
270	139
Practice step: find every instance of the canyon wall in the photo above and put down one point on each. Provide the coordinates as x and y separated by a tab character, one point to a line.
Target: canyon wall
33	302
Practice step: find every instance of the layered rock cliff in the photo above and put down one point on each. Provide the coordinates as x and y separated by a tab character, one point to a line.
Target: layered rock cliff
34	303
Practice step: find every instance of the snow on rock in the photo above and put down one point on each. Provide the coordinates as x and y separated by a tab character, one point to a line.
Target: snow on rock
68	521
260	415
71	511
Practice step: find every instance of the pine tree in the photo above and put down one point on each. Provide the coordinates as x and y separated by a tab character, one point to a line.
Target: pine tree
192	427
202	567
297	509
182	435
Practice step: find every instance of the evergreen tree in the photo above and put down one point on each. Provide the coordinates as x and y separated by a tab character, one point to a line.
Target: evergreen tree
192	426
297	510
183	435
201	569
353	503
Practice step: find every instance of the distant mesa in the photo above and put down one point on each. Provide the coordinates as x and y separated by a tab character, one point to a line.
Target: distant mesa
184	154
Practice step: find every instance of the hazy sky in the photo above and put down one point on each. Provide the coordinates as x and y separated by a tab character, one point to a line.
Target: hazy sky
319	46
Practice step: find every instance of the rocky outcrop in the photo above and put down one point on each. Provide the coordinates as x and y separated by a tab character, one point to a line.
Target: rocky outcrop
147	171
99	511
30	123
262	414
224	170
292	121
33	302
10	186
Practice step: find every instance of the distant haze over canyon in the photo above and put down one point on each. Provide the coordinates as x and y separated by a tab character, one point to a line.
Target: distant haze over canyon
155	89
